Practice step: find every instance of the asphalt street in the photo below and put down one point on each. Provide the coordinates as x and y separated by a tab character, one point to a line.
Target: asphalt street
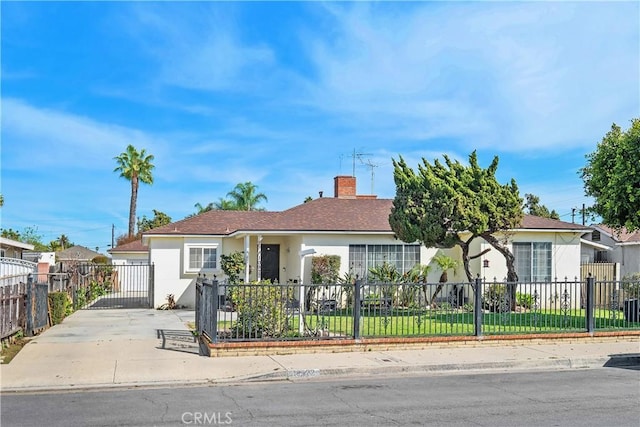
581	397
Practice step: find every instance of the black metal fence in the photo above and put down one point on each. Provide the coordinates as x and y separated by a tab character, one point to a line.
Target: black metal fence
276	312
94	286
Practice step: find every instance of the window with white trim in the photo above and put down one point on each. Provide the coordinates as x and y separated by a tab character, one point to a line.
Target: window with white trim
364	257
201	257
533	261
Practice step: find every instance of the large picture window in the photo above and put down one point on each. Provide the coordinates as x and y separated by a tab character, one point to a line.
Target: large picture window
533	261
202	258
364	257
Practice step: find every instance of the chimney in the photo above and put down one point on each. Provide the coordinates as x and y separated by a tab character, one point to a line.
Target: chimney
345	187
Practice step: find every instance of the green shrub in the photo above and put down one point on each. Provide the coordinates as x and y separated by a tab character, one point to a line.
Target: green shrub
524	300
631	286
80	298
262	310
494	297
325	269
232	265
100	259
58	302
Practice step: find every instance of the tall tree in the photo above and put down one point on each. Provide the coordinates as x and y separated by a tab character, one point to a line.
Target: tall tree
159	219
612	177
136	167
533	207
1	200
246	197
63	240
225	205
452	204
202	209
10	233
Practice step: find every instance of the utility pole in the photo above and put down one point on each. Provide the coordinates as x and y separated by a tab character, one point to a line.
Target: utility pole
573	215
113	235
583	214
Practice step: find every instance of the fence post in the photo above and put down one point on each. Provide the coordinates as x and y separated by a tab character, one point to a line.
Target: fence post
356	308
198	305
213	321
477	307
29	310
590	304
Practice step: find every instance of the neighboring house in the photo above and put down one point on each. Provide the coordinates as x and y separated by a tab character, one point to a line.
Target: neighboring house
77	253
13	249
132	253
609	245
278	245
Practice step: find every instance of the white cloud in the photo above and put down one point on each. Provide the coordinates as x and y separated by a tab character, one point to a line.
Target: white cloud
41	137
511	76
200	50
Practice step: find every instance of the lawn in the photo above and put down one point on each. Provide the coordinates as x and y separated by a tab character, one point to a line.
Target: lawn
407	323
404	322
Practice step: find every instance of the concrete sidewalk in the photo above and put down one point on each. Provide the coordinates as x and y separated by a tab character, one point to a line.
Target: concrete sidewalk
122	348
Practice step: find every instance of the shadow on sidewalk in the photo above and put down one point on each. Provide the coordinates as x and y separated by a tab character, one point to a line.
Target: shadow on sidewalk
625	361
178	340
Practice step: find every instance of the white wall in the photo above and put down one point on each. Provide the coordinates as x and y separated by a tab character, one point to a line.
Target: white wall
129	258
566	254
166	256
629	259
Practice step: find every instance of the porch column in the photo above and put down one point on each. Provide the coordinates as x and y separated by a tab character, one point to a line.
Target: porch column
247	239
259	263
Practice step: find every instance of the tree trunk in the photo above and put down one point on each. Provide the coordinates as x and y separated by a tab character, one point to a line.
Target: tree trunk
512	276
465	259
132	205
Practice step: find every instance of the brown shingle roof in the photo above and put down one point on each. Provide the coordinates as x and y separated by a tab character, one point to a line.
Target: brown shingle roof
135	246
327	214
215	222
539	223
332	214
621	236
77	253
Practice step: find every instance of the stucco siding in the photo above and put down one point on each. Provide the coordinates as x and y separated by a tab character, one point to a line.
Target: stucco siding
166	255
629	259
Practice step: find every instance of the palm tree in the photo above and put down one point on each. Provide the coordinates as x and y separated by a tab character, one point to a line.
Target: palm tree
444	263
136	167
63	240
203	209
225	205
1	200
245	197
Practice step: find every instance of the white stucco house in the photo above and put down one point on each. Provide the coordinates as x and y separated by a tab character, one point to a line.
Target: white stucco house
13	249
132	253
622	247
278	245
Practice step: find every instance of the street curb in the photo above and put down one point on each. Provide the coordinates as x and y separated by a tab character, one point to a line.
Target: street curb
559	363
622	360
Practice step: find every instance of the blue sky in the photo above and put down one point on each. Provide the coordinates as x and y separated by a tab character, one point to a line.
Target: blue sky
281	94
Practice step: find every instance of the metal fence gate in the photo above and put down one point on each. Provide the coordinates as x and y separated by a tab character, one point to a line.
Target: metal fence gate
111	286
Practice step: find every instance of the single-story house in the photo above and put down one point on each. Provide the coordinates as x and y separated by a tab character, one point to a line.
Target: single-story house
132	253
278	245
605	244
13	249
77	253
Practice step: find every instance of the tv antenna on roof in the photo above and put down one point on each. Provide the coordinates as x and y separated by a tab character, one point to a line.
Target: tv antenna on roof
371	166
357	155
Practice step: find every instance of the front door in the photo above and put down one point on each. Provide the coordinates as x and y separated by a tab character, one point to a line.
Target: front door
270	269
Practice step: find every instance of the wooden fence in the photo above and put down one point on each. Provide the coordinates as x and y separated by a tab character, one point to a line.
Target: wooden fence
12	307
